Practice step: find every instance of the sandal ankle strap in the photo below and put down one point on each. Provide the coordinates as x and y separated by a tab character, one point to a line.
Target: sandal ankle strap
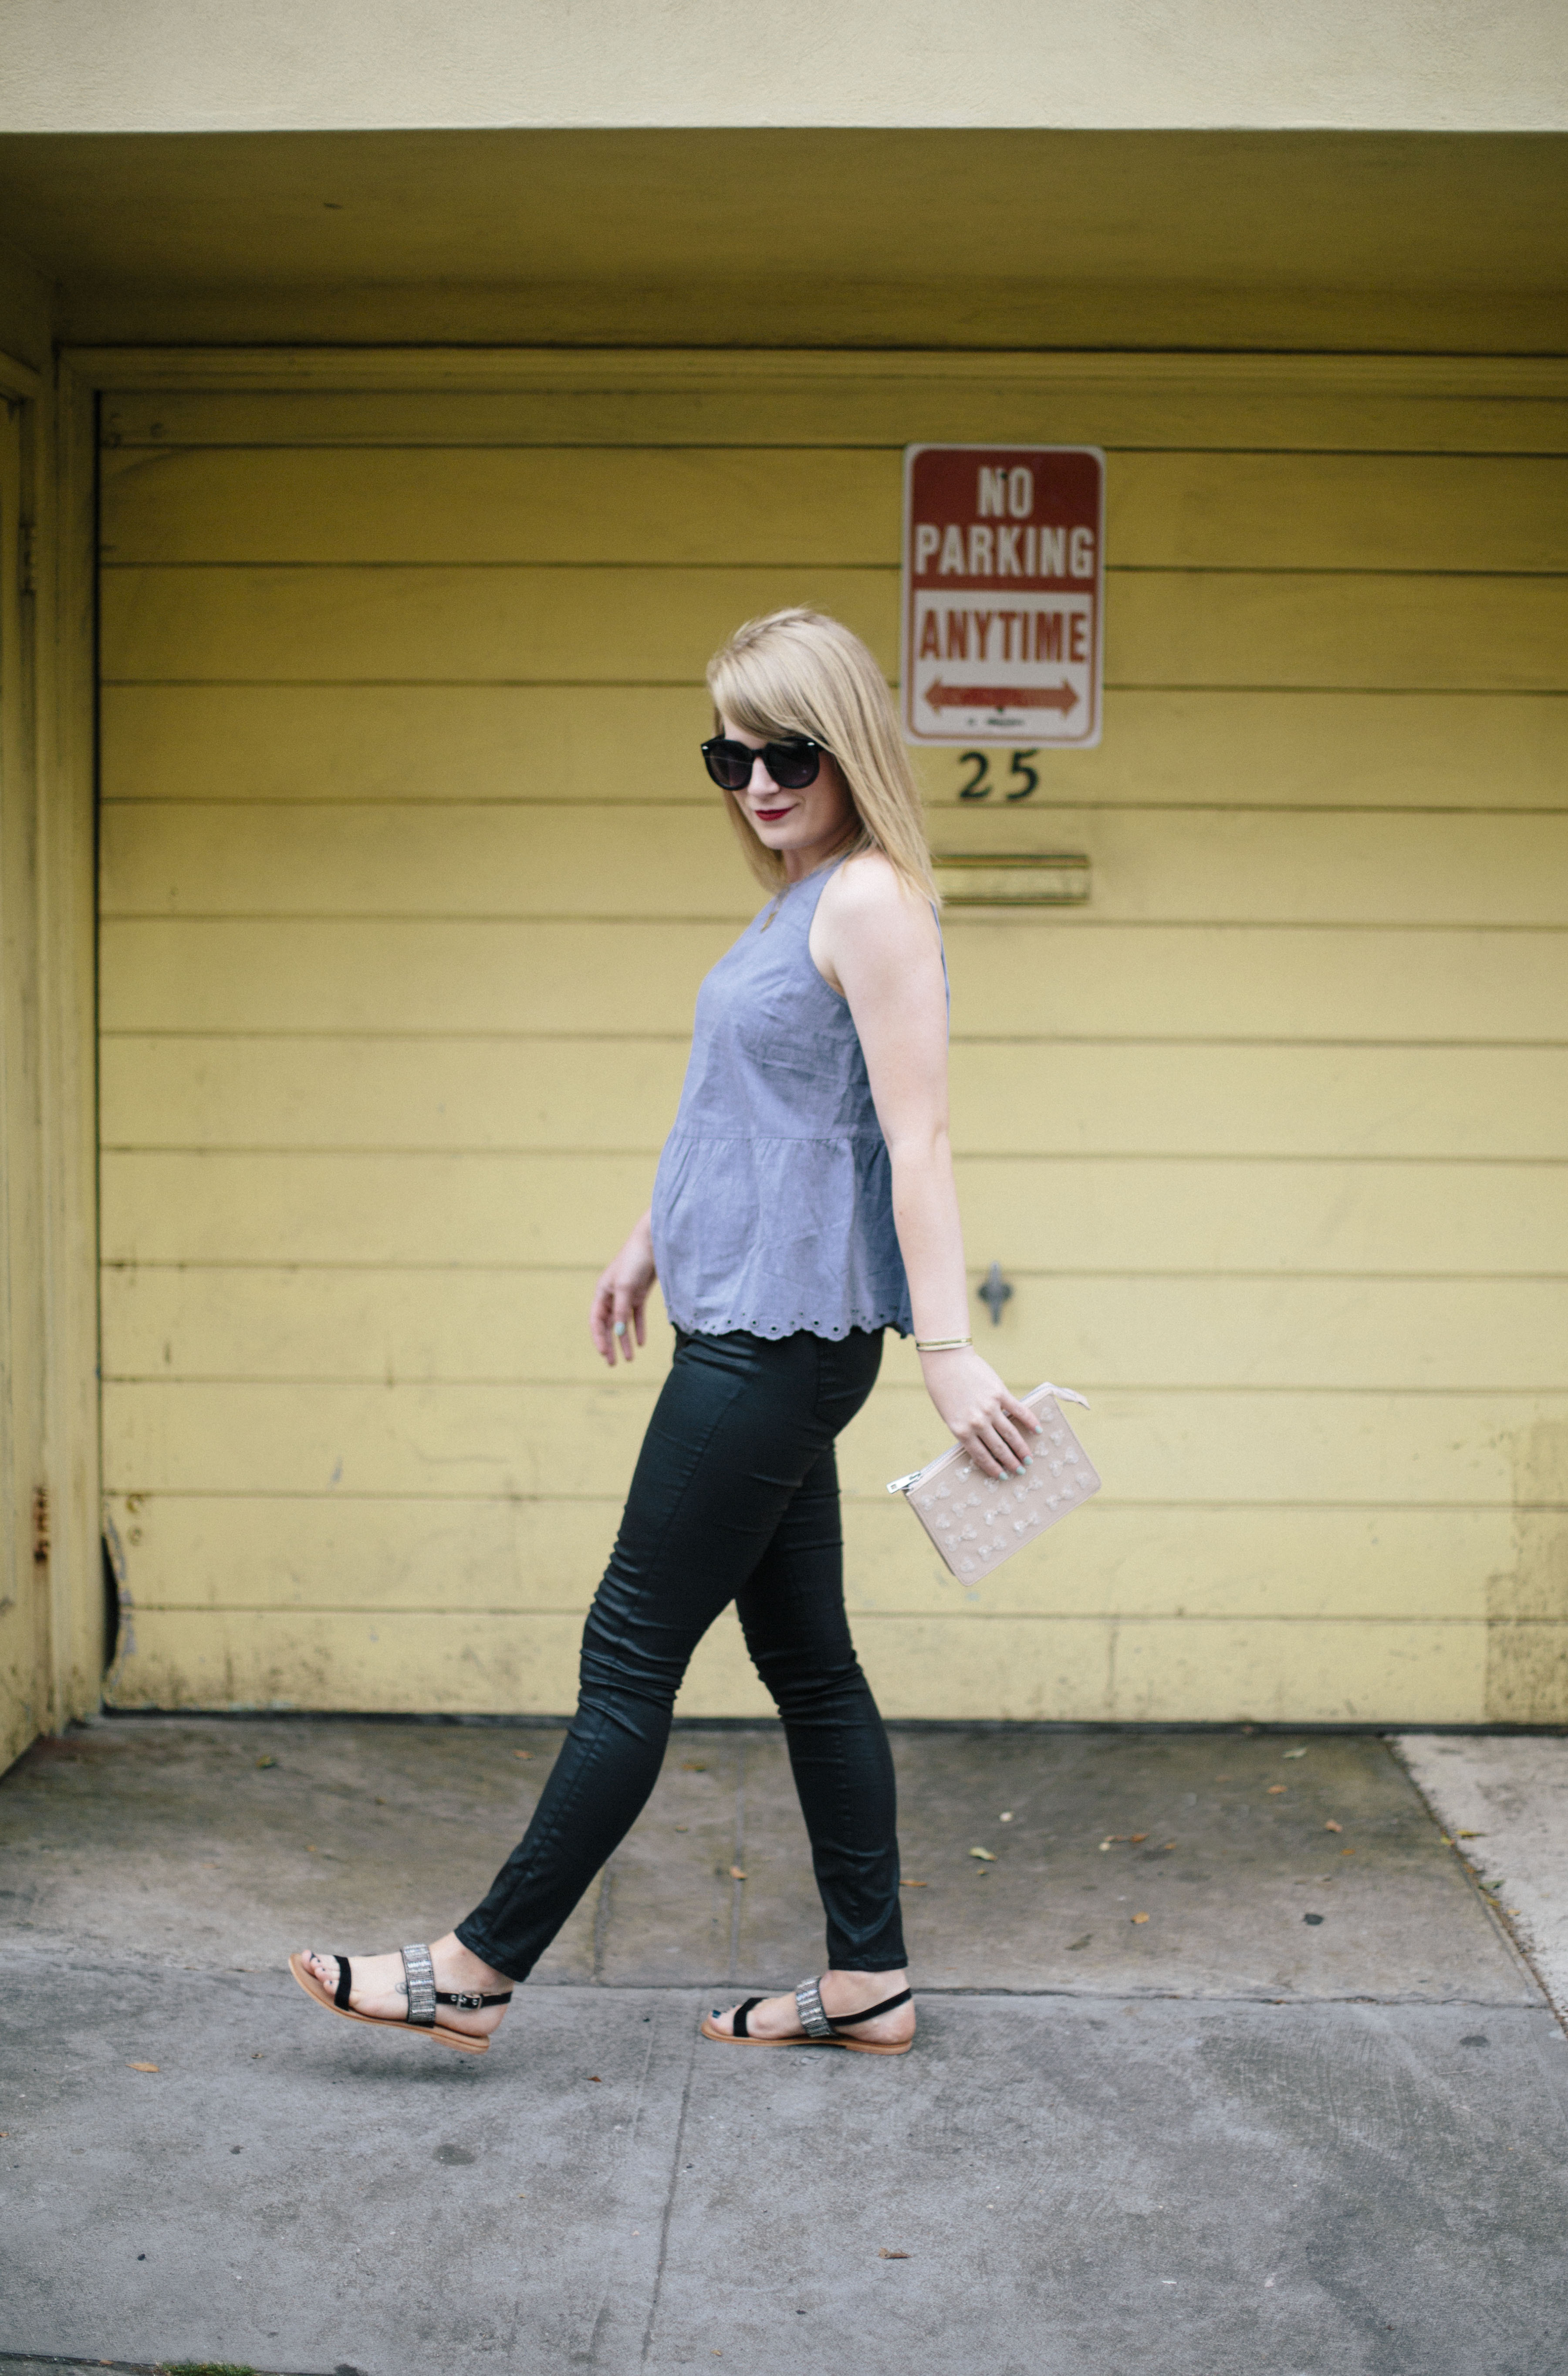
419	1971
818	2024
889	2004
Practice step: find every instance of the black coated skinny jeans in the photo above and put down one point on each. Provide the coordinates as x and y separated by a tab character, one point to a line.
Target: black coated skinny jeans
735	1497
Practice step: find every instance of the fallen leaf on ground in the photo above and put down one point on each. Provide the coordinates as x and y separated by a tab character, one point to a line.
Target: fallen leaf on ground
1073	1944
914	1884
1472	1836
1168	1845
1140	1917
141	2066
984	1854
594	2079
267	1761
1331	1826
683	1827
1347	1851
693	1769
1446	1841
737	1873
1136	1836
1292	1752
522	1753
885	2255
1274	1789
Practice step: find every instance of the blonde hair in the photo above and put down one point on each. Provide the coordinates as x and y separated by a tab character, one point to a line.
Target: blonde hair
798	672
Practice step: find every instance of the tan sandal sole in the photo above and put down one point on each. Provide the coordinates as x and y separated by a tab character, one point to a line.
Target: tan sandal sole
459	2039
849	2045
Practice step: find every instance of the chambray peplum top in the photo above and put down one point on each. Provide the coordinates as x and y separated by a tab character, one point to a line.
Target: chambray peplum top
773	1206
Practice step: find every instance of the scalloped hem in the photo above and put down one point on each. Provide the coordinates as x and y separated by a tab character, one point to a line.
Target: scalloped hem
774	1332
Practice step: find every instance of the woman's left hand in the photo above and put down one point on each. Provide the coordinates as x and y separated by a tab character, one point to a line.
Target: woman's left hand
995	1428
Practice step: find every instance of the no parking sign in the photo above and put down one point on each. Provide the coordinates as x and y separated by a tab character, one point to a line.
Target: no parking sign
1003	594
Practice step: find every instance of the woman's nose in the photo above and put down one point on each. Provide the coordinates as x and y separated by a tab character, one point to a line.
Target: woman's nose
761	780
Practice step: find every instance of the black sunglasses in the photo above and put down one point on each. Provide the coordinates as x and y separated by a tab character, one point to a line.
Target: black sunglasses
792	764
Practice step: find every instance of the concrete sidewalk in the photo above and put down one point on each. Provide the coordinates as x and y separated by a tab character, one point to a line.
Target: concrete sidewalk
1503	1799
1306	2118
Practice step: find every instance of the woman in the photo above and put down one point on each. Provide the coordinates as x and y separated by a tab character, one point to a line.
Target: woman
804	1202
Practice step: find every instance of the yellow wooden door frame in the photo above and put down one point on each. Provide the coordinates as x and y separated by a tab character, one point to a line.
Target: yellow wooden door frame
49	1468
24	1613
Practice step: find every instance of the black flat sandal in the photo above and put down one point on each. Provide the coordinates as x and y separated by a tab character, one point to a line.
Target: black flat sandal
419	1972
817	2028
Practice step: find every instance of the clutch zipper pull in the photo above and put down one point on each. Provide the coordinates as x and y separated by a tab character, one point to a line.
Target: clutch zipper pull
902	1484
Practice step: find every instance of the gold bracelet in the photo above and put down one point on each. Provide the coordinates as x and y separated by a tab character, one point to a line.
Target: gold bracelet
941	1344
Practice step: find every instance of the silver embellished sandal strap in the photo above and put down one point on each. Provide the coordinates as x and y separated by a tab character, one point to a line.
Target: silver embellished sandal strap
419	1971
808	2005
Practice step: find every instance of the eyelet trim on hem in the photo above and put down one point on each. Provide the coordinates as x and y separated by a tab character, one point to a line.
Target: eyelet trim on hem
773	1332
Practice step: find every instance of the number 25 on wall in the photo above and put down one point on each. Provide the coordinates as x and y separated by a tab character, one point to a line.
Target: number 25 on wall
978	786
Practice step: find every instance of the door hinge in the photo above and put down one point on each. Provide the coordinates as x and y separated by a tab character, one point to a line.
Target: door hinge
27	557
41	1525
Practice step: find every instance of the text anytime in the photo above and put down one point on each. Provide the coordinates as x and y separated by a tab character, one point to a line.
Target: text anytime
1055	635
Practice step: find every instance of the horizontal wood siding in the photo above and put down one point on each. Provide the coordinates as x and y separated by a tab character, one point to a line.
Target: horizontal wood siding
539	742
408	879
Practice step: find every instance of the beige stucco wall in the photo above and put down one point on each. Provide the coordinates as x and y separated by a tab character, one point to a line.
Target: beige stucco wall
205	65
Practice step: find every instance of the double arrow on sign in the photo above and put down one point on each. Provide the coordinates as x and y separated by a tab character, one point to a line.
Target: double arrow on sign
1000	696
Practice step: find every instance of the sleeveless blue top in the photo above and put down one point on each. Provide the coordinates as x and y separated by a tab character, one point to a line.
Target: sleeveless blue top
773	1207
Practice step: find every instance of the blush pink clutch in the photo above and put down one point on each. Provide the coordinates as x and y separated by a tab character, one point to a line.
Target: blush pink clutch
976	1522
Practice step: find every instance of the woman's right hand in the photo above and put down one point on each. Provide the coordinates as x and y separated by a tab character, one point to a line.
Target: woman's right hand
620	1296
995	1426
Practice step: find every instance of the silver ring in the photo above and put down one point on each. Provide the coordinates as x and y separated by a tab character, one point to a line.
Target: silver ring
619	1328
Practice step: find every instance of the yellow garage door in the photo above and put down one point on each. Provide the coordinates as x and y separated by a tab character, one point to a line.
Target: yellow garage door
408	879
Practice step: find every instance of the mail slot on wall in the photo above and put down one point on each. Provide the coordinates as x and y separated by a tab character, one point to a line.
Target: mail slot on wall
975	880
